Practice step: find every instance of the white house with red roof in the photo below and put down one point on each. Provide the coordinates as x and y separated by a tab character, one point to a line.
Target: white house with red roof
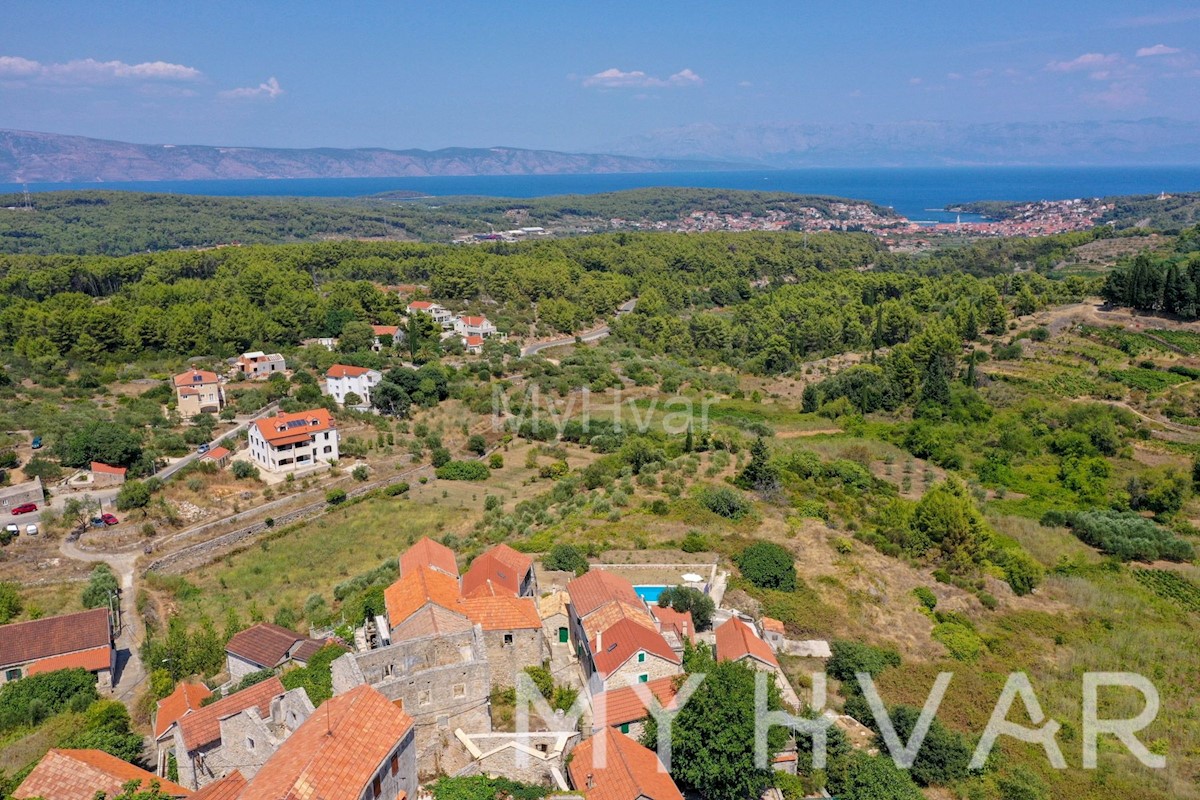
288	442
198	392
343	379
467	325
442	316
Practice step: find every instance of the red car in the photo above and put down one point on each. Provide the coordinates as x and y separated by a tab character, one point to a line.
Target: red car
24	508
109	519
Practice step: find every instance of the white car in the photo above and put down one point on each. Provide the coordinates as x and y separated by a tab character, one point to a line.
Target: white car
11	529
31	529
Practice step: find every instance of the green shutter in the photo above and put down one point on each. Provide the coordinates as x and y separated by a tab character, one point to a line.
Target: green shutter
625	728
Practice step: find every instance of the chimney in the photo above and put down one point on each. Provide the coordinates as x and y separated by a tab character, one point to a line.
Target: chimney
684	625
591	781
599	641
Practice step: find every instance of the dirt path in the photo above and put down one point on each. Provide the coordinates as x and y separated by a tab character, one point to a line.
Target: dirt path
130	672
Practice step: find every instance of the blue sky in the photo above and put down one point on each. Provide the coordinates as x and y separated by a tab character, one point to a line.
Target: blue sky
570	75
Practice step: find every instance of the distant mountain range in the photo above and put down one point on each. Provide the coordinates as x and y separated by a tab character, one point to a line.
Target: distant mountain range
926	143
27	156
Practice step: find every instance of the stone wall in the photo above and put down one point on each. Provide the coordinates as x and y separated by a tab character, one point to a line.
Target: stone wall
628	673
529	757
527	648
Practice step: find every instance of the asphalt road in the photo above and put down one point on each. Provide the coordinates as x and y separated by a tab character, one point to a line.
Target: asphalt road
590	336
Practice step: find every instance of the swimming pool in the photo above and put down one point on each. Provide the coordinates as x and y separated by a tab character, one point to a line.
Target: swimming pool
649	593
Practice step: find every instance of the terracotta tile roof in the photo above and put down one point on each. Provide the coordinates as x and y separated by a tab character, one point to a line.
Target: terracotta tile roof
623	705
417	588
93	660
502	612
264	644
228	788
502	565
772	625
292	428
385	330
107	469
737	640
553	604
610	614
421	305
80	774
186	698
430	621
626	771
488	589
22	642
596	587
474	322
306	650
425	552
203	726
474	340
624	639
196	377
677	621
217	453
346	371
336	752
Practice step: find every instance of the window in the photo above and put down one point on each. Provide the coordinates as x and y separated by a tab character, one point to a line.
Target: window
388	669
641	657
13	674
460	690
377	786
423	697
249	743
443	721
508	638
643	678
395	763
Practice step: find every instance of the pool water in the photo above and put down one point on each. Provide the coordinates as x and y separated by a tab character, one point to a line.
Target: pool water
649	593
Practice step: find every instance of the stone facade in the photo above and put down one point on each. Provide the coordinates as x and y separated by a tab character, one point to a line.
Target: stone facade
536	757
239	667
246	742
510	652
632	671
442	682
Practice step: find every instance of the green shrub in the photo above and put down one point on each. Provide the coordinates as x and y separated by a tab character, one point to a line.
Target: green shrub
1129	537
926	597
694	542
726	502
566	558
686	599
768	566
963	643
243	470
31	699
133	494
396	489
335	496
850	658
463	471
101	585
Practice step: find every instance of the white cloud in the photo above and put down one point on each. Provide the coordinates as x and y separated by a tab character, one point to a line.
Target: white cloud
91	71
1087	61
915	81
1123	94
1157	50
614	78
269	90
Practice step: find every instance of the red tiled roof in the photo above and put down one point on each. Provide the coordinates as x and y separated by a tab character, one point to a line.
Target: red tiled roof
217	453
431	620
610	614
474	340
627	770
336	753
596	587
623	705
736	640
417	588
107	469
677	621
385	330
346	371
22	642
474	322
94	660
425	552
228	788
502	612
502	565
186	698
264	644
772	625
420	305
80	774
196	377
293	428
203	726
622	640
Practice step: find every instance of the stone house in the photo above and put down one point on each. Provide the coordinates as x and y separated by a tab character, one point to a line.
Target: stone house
425	552
512	634
266	646
106	475
82	774
20	494
84	639
504	569
358	746
537	757
186	698
736	640
442	680
239	732
609	766
556	618
624	710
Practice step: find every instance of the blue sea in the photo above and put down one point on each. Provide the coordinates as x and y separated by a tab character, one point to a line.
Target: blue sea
917	193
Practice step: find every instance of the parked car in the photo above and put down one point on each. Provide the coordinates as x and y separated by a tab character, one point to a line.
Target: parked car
36	444
24	508
31	529
202	449
109	519
11	529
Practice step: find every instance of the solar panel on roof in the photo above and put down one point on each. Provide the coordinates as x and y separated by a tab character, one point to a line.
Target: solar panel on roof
296	423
